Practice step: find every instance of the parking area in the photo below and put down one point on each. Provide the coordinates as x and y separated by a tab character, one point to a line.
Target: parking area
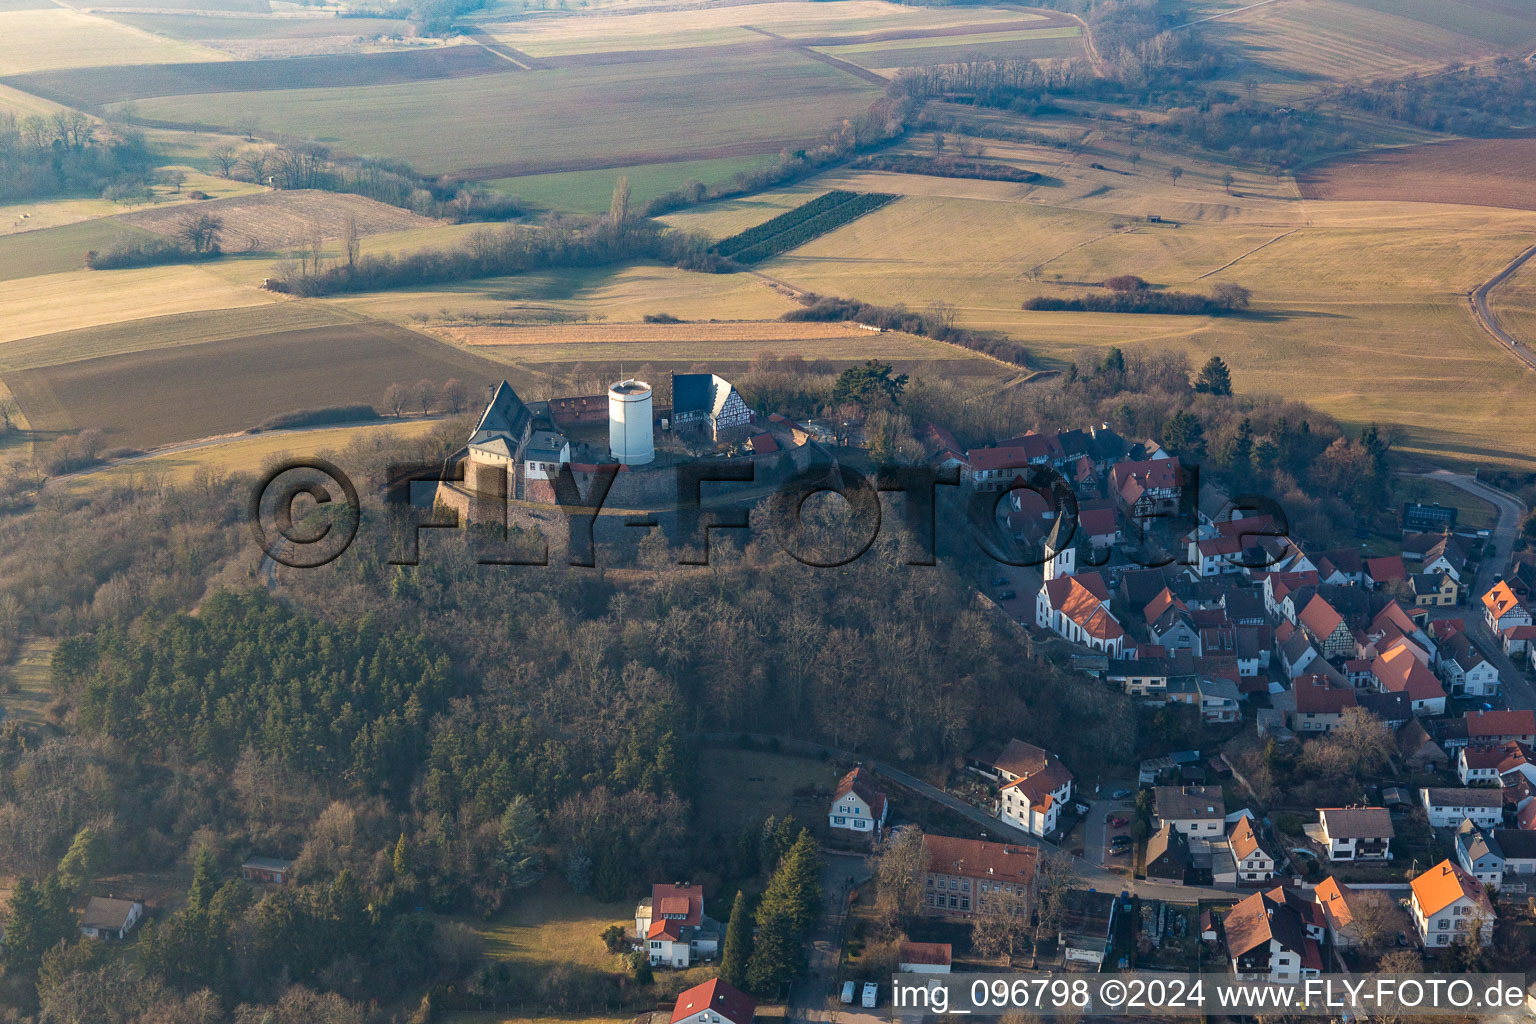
1108	818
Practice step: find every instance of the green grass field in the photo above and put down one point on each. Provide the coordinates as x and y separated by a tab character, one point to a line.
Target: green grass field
591	191
502	125
61	249
34	685
1030	44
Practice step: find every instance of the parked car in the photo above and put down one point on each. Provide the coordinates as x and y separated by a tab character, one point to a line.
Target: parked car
871	991
1001	581
1120	840
1007	595
847	993
1116	851
1117	821
1120	794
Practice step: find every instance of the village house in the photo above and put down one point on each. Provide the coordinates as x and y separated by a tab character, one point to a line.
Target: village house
1033	786
1218	700
1252	861
1502	610
958	873
1319	705
1274	936
1356	833
1518	848
1384	571
1448	903
1465	668
857	805
1168	858
1478	853
266	870
107	918
1435	552
1200	812
1515	725
1326	627
1085	933
1434	589
709	404
1399	670
714	1002
1448	806
1339	904
1142	676
1147	488
1478	764
673	927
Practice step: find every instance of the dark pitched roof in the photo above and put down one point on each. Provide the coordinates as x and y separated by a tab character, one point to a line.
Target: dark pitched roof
1180	803
505	416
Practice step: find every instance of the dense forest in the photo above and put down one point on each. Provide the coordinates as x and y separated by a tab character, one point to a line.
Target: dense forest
70	153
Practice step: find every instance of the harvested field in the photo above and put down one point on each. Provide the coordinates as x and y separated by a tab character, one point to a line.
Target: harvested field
57	250
504	125
89	298
570	334
1469	172
150	398
221	30
36	40
591	191
1034	44
91	87
271	221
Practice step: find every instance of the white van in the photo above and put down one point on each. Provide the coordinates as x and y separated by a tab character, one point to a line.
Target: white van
871	990
847	993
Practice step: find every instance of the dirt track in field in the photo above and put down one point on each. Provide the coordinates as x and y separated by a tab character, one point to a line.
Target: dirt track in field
1468	172
274	221
573	334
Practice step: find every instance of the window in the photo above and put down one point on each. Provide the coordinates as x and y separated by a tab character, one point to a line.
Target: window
838	820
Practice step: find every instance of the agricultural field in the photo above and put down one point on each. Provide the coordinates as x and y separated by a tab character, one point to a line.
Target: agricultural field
514	123
269	221
90	87
38	40
256	37
60	249
1474	172
1322	41
590	191
1032	44
31	306
719	25
1514	303
222	387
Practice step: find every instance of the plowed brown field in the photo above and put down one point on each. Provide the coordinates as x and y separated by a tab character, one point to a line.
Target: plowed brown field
270	221
1468	172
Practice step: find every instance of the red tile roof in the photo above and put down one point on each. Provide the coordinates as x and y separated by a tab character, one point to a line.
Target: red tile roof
1400	672
685	902
1386	568
1500	600
858	782
1444	884
976	858
735	1006
1314	696
1319	618
1497	724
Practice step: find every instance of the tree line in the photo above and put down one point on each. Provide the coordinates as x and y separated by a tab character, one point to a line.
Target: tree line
70	153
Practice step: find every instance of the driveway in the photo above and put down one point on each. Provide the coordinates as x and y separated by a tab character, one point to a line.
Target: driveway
1097	832
815	990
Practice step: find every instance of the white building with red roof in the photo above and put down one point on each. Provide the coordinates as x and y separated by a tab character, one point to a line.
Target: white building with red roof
1503	610
714	1002
857	805
1399	670
673	928
1448	903
1033	787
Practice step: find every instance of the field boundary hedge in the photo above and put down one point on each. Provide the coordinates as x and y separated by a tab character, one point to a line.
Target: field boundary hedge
795	227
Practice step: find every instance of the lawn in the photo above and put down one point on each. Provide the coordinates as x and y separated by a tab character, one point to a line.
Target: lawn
1474	513
246	454
591	191
502	125
58	249
549	924
41	40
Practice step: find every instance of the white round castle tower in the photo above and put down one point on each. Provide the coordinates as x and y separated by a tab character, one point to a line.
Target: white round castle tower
630	432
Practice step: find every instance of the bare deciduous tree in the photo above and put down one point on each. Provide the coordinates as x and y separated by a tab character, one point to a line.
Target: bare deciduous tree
396	398
899	877
226	156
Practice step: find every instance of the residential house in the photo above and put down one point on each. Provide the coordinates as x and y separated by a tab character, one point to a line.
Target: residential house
1298	654
960	874
1319	704
1147	488
1252	861
857	805
1434	589
1465	668
1341	906
1142	676
1273	936
1199	812
1086	929
1218	700
267	870
1356	833
1326	627
1391	709
1478	853
925	957
1033	788
1518	847
1518	639
1399	670
673	927
1448	903
1380	572
1279	586
1448	806
1099	526
1503	610
1168	858
1478	764
1516	725
1436	552
107	918
714	1002
1418	751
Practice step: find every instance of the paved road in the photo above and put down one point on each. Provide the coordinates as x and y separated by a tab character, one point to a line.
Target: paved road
1485	317
815	991
1517	689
